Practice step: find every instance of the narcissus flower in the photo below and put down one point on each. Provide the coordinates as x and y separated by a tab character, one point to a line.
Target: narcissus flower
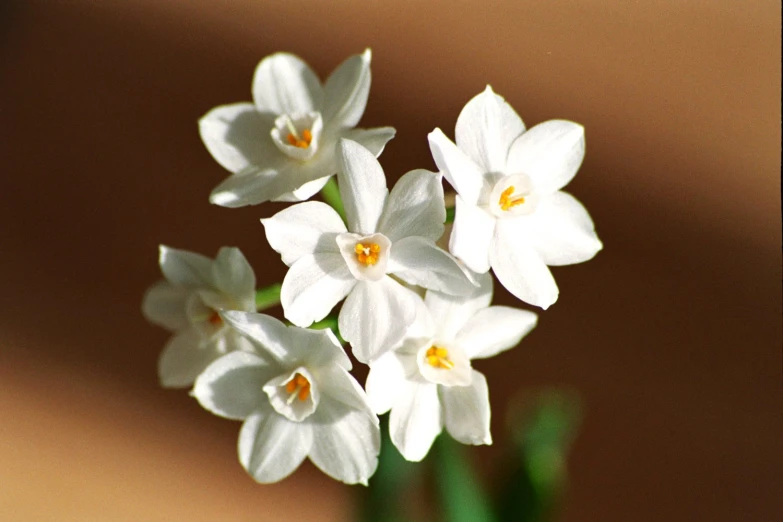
510	213
188	303
387	234
282	146
428	381
297	400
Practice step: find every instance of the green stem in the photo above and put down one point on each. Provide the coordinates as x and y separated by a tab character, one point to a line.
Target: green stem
331	195
329	322
450	214
268	297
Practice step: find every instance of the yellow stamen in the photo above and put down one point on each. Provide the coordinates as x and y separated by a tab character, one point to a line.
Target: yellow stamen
307	138
367	254
298	387
438	357
506	200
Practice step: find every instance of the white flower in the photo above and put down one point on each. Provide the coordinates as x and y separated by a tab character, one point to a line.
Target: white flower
187	303
297	399
282	146
388	233
428	381
510	212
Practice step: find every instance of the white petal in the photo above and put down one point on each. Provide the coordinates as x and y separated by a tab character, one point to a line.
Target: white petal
303	229
313	285
362	187
269	336
415	420
519	268
234	275
186	269
375	316
486	127
418	261
561	230
414	207
231	387
237	136
471	235
318	349
271	447
384	381
164	305
251	187
550	153
346	91
184	357
346	442
460	170
284	84
495	329
304	192
374	140
449	313
466	411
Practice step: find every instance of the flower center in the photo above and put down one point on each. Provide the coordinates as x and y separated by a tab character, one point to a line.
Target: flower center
438	357
215	319
367	254
507	199
298	387
293	137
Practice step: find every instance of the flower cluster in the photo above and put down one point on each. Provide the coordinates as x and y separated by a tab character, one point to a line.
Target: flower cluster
415	313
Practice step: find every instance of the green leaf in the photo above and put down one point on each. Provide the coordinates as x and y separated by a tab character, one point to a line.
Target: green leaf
543	427
461	495
385	498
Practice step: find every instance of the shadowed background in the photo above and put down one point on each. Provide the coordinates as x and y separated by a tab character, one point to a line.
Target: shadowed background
671	335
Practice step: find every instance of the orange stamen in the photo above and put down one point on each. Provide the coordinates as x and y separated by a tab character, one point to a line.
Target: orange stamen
367	254
506	201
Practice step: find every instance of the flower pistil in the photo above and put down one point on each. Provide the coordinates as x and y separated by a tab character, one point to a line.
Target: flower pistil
367	254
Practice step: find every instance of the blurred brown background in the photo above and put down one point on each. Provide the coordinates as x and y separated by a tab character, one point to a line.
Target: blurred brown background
672	335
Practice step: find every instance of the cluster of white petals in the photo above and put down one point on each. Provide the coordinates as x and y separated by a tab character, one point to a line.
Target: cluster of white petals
297	400
387	234
428	382
282	146
415	313
188	303
511	214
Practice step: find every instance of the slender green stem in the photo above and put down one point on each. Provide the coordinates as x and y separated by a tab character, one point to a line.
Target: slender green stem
331	195
450	211
329	322
268	297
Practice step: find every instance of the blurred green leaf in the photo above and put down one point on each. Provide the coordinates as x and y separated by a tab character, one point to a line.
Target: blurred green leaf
384	499
461	496
543	427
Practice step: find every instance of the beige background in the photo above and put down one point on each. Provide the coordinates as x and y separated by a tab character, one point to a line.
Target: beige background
672	334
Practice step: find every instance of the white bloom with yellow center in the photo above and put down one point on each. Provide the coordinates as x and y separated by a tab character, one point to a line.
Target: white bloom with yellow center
511	214
387	234
188	302
282	146
428	381
297	400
